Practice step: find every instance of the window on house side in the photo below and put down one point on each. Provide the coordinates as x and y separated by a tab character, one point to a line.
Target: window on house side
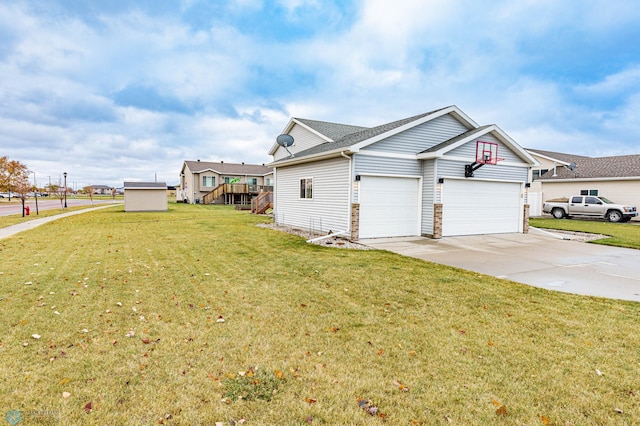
592	192
209	181
306	188
538	173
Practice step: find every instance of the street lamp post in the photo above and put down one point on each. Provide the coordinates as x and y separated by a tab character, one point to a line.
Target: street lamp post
65	189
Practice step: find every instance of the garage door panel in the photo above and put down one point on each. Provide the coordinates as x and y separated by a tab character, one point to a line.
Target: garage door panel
389	206
480	207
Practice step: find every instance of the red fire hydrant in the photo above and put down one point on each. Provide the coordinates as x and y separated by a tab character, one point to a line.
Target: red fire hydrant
27	210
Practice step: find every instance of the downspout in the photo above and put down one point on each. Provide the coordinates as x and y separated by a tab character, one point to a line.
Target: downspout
275	207
349	211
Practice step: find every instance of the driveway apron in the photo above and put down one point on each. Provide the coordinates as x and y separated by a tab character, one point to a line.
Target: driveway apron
540	258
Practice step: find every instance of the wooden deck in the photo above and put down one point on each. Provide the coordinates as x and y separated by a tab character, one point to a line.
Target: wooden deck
232	192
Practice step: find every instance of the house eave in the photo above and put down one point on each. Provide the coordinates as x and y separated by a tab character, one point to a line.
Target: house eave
309	158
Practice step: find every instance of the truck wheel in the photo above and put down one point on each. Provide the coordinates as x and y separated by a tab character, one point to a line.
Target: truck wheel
614	216
557	213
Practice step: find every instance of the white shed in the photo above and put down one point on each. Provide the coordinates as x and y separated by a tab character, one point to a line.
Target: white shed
145	196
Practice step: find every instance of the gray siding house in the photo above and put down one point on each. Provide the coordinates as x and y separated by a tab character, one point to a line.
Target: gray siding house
415	176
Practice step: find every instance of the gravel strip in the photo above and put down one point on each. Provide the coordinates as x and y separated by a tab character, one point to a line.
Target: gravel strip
335	241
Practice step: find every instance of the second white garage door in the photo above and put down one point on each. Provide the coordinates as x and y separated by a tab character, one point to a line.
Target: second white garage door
471	207
389	206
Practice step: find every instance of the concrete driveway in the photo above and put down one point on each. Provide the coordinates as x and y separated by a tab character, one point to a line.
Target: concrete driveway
540	258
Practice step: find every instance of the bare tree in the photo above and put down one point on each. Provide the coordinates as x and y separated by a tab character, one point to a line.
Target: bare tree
89	191
57	191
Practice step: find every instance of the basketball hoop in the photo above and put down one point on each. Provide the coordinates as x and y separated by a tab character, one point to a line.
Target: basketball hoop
486	153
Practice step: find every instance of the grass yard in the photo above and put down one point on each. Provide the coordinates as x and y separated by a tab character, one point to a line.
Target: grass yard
17	218
622	234
196	316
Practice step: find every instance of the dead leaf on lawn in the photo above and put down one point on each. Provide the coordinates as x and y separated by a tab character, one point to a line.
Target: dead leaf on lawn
88	407
311	400
545	420
401	386
502	411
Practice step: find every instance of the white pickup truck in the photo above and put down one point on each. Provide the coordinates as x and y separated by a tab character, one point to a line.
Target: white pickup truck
589	206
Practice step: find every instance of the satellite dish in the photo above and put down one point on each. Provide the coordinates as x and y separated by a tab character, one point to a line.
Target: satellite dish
285	140
572	166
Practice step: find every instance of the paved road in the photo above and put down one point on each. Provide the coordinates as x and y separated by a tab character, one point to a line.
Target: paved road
9	208
541	259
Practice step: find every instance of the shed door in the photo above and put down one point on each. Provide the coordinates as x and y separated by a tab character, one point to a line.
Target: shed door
389	206
472	207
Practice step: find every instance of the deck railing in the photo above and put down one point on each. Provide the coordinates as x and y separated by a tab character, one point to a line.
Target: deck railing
262	202
234	188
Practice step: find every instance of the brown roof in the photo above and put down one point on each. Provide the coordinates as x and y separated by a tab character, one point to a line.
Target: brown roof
602	167
145	185
229	168
567	158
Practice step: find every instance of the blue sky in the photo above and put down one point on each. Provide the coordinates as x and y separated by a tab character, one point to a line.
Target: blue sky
116	90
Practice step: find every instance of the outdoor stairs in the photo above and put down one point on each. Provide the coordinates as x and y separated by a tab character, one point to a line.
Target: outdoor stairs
261	203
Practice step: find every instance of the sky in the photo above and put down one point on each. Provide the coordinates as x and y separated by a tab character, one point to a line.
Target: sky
117	90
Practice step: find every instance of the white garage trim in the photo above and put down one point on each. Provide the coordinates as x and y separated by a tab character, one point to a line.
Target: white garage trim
475	207
390	206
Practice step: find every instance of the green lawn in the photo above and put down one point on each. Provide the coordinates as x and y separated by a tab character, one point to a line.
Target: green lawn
622	234
196	316
18	218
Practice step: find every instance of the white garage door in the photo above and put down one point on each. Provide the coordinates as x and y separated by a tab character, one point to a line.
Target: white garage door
471	207
389	206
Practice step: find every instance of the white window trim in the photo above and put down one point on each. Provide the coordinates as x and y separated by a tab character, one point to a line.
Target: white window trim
305	191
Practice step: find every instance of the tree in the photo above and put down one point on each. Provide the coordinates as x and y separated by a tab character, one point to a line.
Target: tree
57	191
12	173
89	191
21	186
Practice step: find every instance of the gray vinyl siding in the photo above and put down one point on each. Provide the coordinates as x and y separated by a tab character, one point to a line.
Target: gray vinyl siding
303	139
428	196
469	150
421	137
328	210
386	166
452	168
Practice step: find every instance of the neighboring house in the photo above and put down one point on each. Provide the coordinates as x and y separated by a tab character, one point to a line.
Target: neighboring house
145	196
199	178
102	189
403	178
562	175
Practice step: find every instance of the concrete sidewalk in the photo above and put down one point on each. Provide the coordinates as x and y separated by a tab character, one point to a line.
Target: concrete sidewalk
30	224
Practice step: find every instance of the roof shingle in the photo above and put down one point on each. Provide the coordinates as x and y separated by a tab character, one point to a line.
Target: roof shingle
600	167
229	168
